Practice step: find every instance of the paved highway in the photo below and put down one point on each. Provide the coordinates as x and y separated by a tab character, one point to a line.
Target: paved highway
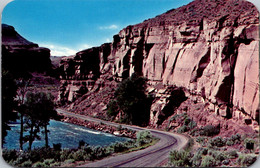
152	156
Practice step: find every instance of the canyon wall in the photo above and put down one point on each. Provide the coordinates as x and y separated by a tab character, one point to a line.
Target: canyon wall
208	48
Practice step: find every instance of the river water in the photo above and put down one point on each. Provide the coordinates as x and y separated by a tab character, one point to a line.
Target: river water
67	134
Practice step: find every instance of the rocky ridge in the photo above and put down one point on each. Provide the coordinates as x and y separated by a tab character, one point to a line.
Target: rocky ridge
210	49
20	56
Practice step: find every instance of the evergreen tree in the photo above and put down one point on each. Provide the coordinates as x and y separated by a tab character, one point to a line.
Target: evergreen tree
131	101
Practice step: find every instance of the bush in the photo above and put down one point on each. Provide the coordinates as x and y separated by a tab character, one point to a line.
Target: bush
196	159
179	158
217	141
200	140
99	152
79	155
64	154
192	124
143	137
55	164
209	130
234	139
69	161
49	161
183	129
246	160
39	164
232	154
27	163
203	151
208	161
119	147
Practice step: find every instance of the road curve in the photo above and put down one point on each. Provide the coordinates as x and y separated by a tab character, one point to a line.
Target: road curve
152	156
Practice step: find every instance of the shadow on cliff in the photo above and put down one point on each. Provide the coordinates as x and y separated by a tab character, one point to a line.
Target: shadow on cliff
177	96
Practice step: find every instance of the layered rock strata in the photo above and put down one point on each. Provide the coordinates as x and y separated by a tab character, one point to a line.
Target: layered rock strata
208	48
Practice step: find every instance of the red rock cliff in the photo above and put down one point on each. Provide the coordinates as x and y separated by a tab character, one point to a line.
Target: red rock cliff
210	48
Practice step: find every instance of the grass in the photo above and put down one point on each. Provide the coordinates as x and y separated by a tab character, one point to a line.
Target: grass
52	157
154	141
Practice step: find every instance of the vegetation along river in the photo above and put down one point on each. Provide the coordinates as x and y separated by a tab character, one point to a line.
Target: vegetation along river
67	134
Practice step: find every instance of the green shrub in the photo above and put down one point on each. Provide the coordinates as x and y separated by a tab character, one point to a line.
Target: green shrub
232	154
192	124
183	129
187	120
229	143
64	154
208	161
48	161
209	130
246	160
194	132
200	140
220	156
120	147
79	155
179	158
144	137
39	164
196	159
203	151
99	152
27	163
217	141
55	164
69	161
234	139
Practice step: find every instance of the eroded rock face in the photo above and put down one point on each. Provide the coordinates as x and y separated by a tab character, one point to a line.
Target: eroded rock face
20	55
209	48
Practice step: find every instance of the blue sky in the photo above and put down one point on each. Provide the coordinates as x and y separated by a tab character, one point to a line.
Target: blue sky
68	26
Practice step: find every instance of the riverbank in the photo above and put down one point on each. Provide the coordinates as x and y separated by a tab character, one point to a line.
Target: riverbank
84	153
99	126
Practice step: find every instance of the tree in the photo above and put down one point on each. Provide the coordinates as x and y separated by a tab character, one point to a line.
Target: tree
131	101
39	111
22	84
8	102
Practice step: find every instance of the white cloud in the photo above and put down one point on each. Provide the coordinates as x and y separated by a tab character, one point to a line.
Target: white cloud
111	27
59	50
108	40
84	46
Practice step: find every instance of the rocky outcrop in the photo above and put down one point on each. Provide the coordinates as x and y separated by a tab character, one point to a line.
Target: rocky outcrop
210	49
20	55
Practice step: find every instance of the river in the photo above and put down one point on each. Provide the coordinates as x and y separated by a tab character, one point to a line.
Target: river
67	134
